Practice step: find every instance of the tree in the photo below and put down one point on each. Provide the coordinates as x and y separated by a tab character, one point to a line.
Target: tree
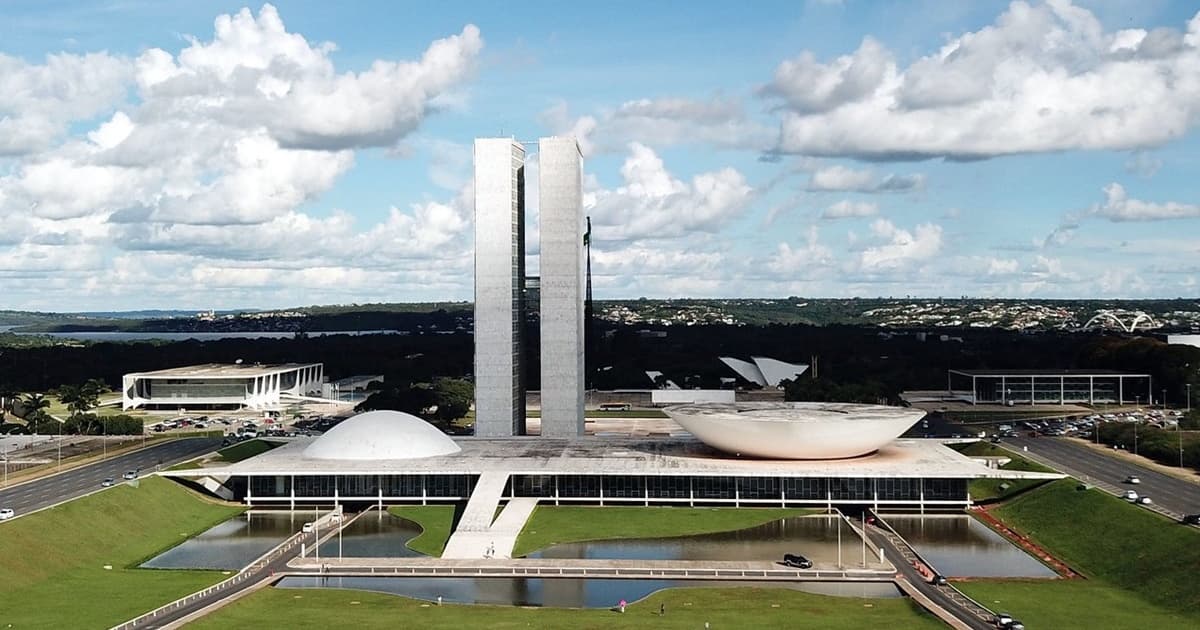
453	397
441	402
81	399
8	395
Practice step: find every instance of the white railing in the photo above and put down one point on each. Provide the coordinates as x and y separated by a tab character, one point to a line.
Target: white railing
249	572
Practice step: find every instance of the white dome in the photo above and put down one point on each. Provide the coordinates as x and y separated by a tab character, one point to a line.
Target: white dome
795	430
381	435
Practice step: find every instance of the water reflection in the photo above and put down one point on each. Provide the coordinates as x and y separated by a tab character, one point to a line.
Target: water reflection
813	536
234	543
374	535
563	592
959	545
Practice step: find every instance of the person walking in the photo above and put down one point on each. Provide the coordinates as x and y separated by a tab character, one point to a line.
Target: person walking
662	609
621	605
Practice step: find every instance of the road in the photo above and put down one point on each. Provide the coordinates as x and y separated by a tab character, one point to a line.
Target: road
1109	473
47	491
948	598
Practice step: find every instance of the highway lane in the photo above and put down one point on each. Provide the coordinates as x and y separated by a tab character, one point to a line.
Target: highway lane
1077	460
47	491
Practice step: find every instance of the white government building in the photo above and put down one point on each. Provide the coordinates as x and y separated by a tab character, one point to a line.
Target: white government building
222	386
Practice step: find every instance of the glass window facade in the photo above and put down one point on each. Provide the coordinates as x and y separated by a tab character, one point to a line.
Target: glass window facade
616	488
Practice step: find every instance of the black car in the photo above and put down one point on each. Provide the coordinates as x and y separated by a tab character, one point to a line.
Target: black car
938	580
1191	519
799	562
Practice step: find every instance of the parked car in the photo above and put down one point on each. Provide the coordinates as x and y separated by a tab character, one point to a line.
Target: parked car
6	513
307	528
130	475
1191	519
107	483
1133	479
797	561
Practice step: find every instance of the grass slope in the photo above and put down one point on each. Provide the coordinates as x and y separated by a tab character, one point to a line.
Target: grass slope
1113	541
246	450
991	490
1073	604
436	522
686	608
551	525
52	561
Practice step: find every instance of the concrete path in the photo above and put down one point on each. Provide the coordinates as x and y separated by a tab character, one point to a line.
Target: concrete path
571	567
473	538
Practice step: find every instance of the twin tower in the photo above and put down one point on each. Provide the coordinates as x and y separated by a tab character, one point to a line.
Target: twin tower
500	284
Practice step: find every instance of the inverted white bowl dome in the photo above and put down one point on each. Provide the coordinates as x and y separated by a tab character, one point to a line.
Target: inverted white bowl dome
381	435
795	430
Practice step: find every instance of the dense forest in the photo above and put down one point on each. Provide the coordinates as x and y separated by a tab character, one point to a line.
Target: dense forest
886	362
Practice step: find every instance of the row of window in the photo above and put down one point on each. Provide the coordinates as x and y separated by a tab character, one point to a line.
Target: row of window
748	488
650	487
438	486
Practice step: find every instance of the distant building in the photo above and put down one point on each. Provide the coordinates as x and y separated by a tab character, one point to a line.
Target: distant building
764	371
1184	340
1049	387
217	386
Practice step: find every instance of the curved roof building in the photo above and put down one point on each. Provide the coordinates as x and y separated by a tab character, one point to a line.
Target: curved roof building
795	430
381	435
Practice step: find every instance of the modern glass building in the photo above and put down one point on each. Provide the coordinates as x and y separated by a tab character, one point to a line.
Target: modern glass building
387	458
1051	387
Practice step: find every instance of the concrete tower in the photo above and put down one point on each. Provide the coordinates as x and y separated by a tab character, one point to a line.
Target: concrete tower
499	287
561	224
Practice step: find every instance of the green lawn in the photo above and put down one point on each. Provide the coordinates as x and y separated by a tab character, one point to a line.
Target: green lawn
551	525
991	490
1073	604
436	522
686	608
246	450
1112	541
52	562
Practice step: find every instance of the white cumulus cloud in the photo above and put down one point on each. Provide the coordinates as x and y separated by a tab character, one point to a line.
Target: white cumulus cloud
1043	77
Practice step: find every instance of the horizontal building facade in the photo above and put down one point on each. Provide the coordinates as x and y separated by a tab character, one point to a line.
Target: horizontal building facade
216	386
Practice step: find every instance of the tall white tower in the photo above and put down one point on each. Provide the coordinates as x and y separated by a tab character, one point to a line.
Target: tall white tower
499	287
561	224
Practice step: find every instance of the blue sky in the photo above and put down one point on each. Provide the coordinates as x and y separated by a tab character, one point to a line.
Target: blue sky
218	155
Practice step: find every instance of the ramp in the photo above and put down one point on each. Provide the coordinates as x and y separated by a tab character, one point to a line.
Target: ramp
471	538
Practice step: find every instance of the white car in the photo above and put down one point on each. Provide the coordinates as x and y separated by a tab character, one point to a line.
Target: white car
6	514
1133	479
307	528
1143	501
1130	495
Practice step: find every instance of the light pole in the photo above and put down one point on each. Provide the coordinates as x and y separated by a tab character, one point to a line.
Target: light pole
1189	397
1136	421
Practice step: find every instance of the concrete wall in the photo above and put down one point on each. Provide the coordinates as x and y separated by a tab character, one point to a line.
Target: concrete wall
561	224
499	278
681	396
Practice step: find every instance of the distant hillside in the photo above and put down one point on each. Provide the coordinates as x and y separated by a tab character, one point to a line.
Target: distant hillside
901	313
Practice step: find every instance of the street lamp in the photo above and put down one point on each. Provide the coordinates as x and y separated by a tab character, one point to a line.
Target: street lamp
1189	397
1136	421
